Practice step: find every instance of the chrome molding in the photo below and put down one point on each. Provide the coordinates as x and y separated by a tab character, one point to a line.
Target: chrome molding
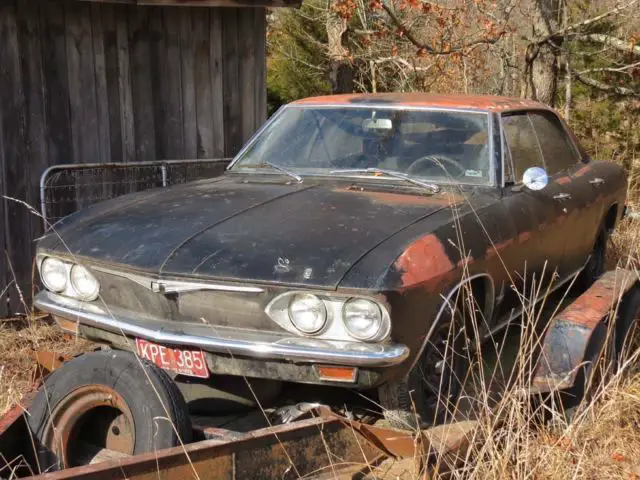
250	343
176	286
518	312
380	106
334	328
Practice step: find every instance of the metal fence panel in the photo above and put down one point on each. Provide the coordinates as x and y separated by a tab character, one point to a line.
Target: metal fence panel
67	188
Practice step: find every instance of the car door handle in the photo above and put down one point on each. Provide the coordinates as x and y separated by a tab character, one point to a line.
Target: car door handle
562	196
596	181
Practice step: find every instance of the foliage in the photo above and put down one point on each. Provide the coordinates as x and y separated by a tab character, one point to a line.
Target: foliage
583	57
295	59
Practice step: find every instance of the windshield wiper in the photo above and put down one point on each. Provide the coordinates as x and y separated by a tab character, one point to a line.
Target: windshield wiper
287	172
432	187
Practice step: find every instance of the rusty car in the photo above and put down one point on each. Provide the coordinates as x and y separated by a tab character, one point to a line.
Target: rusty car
334	249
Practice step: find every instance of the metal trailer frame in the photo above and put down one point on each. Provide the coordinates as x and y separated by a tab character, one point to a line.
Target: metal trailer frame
326	445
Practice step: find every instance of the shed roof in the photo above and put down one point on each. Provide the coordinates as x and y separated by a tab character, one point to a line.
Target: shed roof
419	99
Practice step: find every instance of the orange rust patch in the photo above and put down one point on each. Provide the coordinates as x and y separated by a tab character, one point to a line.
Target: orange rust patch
465	261
563	180
582	171
404	198
590	307
423	260
493	250
524	236
480	102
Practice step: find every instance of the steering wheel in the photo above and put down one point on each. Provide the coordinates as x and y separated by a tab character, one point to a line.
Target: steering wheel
428	161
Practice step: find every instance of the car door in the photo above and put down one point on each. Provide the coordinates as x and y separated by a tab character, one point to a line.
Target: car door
562	160
532	256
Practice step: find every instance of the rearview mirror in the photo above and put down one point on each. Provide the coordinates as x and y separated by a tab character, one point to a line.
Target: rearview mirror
377	124
535	178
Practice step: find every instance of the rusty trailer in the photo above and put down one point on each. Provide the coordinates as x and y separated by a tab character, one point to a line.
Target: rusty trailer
315	442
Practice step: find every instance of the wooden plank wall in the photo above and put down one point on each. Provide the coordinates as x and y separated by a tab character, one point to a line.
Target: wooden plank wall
98	82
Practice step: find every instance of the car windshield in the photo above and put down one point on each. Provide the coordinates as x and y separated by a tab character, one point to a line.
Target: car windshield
433	145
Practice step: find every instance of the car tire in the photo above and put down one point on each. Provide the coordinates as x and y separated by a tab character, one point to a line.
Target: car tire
429	394
109	400
595	265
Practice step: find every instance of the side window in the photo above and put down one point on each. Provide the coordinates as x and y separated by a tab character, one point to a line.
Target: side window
557	149
522	142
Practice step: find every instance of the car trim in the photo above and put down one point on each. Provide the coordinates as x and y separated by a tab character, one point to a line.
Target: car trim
231	341
518	312
175	286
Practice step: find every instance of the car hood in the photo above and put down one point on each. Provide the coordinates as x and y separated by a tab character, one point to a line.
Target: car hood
228	228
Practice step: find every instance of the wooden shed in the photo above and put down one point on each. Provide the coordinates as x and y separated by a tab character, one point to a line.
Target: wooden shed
125	81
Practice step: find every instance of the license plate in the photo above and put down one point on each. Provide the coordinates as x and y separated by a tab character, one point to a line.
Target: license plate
184	362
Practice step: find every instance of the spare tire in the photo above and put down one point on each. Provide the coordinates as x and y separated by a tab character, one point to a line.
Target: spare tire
106	402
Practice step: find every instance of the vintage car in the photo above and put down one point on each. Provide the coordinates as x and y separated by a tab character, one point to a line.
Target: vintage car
335	247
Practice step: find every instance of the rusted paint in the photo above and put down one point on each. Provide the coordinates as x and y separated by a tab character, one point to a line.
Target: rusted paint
582	171
284	451
419	99
523	237
563	180
48	361
393	198
571	332
465	261
423	260
59	436
495	249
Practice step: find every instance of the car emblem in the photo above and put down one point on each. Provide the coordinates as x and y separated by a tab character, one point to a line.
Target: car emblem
283	265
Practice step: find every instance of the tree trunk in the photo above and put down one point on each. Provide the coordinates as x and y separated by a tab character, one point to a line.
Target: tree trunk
541	69
340	68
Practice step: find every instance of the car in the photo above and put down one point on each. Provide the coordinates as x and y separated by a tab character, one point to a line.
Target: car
364	241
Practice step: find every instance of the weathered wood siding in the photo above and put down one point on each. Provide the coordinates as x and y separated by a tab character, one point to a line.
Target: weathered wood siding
98	82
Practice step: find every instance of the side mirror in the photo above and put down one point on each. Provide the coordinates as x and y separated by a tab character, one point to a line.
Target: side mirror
535	178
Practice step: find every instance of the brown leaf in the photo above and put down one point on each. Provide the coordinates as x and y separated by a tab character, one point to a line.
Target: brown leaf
618	457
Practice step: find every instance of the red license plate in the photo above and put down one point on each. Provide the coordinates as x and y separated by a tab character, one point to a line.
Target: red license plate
184	362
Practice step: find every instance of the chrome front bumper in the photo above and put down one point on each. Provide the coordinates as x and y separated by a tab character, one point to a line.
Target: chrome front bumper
233	341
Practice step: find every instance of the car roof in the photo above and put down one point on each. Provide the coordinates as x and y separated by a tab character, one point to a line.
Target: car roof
427	100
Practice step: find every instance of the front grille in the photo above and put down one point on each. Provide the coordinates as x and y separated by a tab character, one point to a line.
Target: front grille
229	309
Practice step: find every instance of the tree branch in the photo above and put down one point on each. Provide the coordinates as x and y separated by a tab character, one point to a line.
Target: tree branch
622	69
585	23
615	42
428	48
603	87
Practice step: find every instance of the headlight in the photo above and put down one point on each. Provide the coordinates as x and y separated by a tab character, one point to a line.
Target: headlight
54	274
307	313
362	318
84	283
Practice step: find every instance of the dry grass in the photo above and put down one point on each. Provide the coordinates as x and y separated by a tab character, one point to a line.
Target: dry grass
19	337
602	440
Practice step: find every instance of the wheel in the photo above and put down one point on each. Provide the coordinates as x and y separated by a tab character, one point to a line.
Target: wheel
429	394
105	401
596	264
